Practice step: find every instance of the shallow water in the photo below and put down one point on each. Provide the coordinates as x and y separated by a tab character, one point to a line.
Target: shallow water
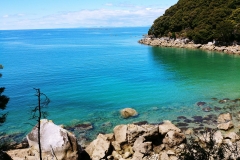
91	74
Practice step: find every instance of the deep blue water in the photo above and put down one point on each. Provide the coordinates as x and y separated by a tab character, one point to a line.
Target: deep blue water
91	74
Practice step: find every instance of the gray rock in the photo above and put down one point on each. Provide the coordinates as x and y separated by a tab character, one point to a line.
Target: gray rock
55	142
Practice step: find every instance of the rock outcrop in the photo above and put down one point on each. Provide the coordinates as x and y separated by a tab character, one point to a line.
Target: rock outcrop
185	43
134	142
159	141
137	142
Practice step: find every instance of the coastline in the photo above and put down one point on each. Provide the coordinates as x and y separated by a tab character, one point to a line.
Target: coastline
151	141
186	43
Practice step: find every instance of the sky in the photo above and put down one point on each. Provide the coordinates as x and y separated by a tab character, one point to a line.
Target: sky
40	14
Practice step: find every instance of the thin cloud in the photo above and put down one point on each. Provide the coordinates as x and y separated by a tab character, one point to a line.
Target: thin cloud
108	4
88	18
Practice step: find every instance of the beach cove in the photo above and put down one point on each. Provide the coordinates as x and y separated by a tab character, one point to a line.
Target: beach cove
88	73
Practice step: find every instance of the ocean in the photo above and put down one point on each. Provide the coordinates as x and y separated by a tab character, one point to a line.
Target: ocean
90	74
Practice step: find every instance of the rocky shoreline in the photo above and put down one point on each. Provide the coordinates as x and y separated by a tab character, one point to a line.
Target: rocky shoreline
186	43
134	142
143	140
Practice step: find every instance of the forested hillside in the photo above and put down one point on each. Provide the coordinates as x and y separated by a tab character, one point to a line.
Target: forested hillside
200	20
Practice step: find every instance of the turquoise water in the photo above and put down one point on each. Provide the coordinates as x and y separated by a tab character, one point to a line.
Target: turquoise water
91	74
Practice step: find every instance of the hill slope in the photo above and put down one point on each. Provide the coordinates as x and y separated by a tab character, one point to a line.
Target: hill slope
200	20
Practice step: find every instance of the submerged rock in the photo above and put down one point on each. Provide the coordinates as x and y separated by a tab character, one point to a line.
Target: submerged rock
217	108
141	123
201	103
226	117
83	127
197	119
223	100
181	117
207	109
187	121
182	124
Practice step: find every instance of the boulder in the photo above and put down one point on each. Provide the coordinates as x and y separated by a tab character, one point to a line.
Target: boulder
120	133
141	146
167	126
99	148
56	142
217	137
232	136
225	126
128	112
225	117
149	132
116	146
173	138
133	132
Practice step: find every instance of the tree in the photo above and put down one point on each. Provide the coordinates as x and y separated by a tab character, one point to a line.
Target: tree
3	102
224	31
38	113
200	20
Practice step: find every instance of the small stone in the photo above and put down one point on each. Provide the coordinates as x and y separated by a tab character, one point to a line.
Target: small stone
181	117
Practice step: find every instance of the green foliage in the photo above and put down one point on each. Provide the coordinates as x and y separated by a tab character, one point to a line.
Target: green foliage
3	102
200	20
